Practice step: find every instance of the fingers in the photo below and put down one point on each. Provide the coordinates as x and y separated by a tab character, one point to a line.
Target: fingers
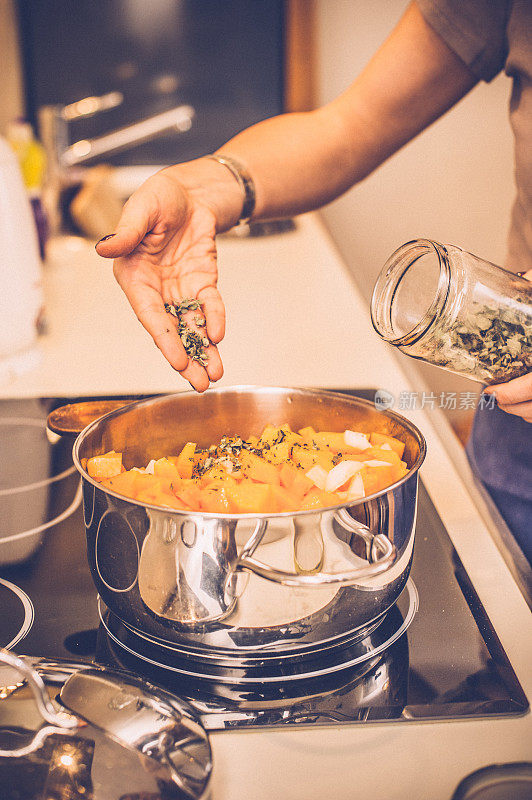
196	375
214	311
519	390
514	397
523	410
149	308
138	217
158	207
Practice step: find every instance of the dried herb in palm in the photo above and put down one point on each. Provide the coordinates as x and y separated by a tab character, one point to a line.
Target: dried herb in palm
193	342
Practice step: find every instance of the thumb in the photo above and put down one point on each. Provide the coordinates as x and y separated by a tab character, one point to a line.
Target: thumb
137	219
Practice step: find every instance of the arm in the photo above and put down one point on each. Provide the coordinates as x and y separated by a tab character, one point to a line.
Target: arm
164	243
301	161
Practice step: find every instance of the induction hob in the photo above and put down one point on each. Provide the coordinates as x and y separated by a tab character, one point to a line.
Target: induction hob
444	659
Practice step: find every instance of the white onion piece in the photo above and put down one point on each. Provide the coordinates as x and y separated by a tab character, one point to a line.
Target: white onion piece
356	488
386	446
341	473
357	440
317	475
150	467
375	463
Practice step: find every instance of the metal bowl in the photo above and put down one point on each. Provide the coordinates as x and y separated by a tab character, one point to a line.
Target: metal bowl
226	583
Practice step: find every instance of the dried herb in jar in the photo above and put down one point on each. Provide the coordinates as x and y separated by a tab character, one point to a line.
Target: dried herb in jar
492	343
193	342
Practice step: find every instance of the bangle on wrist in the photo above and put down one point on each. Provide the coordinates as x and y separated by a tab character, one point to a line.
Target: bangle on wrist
244	180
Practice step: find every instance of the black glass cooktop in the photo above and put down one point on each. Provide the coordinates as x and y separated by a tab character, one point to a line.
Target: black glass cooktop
448	664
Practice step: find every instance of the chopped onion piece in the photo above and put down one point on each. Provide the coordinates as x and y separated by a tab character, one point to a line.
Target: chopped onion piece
357	440
318	476
150	467
356	488
341	473
374	463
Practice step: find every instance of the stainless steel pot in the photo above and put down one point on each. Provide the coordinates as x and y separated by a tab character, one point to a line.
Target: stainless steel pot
181	578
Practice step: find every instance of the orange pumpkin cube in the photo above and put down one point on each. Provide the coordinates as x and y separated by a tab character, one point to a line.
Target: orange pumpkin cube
164	468
378	439
215	500
105	466
249	497
379	454
306	457
317	498
284	500
258	469
189	493
185	460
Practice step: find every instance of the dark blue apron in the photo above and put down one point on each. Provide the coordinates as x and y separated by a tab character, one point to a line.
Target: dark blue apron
500	451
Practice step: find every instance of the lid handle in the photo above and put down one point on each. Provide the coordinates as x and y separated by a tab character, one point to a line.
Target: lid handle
60	721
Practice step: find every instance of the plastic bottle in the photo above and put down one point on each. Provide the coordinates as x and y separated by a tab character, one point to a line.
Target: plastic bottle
32	160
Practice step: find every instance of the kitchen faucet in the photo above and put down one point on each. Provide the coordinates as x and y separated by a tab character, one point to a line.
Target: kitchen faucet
63	158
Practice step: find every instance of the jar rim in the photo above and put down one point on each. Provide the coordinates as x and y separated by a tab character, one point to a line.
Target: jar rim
390	277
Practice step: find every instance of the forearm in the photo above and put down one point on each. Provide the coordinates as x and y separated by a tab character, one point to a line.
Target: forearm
302	161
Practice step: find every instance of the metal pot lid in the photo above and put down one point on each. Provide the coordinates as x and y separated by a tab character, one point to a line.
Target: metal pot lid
77	730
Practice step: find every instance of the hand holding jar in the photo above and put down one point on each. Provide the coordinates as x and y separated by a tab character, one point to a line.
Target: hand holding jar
442	305
515	397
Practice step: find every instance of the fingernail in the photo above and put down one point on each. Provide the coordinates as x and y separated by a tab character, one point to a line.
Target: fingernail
105	238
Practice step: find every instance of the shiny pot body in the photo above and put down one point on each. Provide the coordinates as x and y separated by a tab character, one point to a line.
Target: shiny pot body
253	585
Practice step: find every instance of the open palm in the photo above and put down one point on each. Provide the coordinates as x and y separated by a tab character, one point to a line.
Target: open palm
164	251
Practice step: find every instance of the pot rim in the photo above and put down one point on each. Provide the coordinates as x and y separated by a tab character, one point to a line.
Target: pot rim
248	388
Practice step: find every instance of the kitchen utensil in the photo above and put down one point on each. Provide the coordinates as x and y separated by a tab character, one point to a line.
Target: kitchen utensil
107	731
177	576
448	307
38	486
497	782
74	417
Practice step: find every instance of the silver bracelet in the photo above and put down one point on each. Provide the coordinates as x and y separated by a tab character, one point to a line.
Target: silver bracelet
244	180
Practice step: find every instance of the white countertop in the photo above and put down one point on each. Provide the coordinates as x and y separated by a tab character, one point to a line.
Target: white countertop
296	318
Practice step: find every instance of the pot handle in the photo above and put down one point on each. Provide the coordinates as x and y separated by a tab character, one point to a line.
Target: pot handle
60	721
380	551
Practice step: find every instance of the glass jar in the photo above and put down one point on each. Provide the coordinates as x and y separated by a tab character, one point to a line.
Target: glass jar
448	307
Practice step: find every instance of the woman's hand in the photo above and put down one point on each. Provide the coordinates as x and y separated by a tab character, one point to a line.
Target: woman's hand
515	397
164	251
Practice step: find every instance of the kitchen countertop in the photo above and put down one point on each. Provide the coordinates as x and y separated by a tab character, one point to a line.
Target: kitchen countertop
296	318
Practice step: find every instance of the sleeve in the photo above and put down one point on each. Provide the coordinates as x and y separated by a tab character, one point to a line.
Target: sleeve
474	29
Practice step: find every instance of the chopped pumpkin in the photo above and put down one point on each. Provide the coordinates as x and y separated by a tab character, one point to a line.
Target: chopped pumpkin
185	460
280	471
378	439
105	466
